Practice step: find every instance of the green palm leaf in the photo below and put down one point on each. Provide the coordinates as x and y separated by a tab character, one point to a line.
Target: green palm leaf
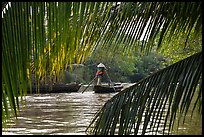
41	38
150	18
158	96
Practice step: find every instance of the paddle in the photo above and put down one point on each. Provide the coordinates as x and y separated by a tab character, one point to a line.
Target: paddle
110	81
89	84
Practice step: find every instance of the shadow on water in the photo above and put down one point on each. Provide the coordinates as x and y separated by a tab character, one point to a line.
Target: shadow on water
63	114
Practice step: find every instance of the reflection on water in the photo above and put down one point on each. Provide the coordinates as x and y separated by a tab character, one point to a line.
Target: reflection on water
60	113
66	114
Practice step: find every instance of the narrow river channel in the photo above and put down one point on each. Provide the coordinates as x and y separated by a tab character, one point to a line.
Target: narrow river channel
68	114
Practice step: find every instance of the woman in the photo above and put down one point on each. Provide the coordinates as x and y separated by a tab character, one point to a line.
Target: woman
100	72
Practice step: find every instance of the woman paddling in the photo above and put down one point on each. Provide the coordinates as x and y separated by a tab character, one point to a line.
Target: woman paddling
100	72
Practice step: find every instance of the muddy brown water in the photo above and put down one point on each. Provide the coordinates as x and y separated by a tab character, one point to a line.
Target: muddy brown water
70	114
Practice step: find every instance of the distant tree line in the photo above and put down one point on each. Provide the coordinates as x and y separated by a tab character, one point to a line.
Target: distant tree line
119	68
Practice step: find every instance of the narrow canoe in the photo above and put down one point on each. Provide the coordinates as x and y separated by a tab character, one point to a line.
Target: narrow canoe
56	88
107	89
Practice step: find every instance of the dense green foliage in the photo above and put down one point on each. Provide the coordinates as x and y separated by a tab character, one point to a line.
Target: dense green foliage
119	68
180	48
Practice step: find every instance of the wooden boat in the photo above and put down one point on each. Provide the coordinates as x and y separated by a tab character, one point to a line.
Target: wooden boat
56	88
107	89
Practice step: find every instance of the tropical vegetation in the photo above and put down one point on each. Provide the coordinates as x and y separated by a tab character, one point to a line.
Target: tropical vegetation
120	69
41	39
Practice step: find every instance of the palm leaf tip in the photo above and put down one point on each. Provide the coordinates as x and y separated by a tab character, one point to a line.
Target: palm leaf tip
150	103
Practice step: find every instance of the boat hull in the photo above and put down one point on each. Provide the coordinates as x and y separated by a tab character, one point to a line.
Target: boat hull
107	89
56	88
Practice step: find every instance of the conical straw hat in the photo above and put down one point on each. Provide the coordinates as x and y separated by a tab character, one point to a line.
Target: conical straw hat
101	65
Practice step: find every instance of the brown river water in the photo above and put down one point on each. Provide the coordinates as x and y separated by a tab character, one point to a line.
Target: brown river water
70	114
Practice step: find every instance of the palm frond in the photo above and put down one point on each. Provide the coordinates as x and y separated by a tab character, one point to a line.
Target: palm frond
40	38
152	99
144	21
3	5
